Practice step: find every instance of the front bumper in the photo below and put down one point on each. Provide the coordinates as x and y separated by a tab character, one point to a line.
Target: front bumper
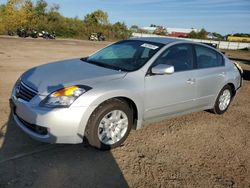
59	125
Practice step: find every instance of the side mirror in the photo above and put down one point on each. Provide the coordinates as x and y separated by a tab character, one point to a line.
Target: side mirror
163	69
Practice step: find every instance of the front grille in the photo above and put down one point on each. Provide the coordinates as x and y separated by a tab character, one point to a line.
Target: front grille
35	128
25	92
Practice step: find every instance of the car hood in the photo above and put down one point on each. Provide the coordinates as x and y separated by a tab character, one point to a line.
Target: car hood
53	76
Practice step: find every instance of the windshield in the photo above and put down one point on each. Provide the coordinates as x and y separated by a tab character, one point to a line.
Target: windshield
128	55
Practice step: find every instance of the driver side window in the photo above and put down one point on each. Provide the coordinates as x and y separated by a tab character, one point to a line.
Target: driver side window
180	56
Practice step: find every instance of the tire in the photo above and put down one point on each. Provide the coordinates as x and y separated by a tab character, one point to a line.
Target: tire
106	121
219	108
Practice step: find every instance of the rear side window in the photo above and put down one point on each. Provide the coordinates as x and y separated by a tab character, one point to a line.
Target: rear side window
207	57
180	56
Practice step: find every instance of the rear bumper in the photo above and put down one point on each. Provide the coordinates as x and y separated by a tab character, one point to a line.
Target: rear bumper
64	125
241	72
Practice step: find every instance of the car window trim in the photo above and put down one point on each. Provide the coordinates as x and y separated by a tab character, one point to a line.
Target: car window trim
185	43
209	48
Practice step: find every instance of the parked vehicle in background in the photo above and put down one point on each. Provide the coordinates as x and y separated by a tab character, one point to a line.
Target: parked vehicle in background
97	37
11	33
40	34
34	34
124	85
21	32
47	35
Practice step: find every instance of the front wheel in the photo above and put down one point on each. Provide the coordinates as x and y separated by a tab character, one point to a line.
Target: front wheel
109	125
223	100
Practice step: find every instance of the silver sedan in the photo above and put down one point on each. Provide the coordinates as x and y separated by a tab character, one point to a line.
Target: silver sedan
123	86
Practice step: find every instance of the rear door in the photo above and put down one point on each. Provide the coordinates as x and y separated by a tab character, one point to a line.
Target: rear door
210	75
171	93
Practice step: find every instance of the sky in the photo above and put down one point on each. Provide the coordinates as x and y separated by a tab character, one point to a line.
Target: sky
223	16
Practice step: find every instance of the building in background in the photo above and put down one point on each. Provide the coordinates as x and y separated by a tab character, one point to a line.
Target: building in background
174	32
211	36
180	32
149	29
232	38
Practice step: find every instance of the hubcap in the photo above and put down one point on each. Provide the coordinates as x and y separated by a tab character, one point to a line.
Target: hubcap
113	127
224	99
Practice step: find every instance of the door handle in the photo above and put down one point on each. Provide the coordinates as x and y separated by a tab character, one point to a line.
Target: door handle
191	81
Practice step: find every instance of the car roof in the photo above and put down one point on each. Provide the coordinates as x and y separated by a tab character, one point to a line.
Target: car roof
167	40
162	40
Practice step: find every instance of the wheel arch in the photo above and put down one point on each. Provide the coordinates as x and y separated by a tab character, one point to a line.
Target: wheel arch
133	101
134	106
232	86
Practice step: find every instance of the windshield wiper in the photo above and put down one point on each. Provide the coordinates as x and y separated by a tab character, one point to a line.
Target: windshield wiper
85	59
103	65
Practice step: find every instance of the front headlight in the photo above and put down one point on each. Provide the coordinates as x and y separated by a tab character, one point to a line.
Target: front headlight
15	86
64	97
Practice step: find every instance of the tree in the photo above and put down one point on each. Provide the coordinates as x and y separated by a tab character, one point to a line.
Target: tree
28	15
192	34
11	15
40	11
121	30
202	34
241	35
55	21
96	17
2	13
160	30
218	35
134	28
40	8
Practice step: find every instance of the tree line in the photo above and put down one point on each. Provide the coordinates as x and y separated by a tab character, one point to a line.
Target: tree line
16	14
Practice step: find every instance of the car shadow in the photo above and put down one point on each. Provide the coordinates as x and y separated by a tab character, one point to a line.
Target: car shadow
246	74
25	162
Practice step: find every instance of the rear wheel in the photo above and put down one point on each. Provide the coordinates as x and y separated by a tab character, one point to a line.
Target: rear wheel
109	125
223	100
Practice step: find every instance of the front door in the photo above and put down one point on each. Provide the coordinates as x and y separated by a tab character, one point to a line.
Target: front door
171	93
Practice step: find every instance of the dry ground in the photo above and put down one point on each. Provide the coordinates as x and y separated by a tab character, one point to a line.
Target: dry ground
238	54
195	150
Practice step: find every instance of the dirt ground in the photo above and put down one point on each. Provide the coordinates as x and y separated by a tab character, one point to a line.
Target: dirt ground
238	54
195	150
